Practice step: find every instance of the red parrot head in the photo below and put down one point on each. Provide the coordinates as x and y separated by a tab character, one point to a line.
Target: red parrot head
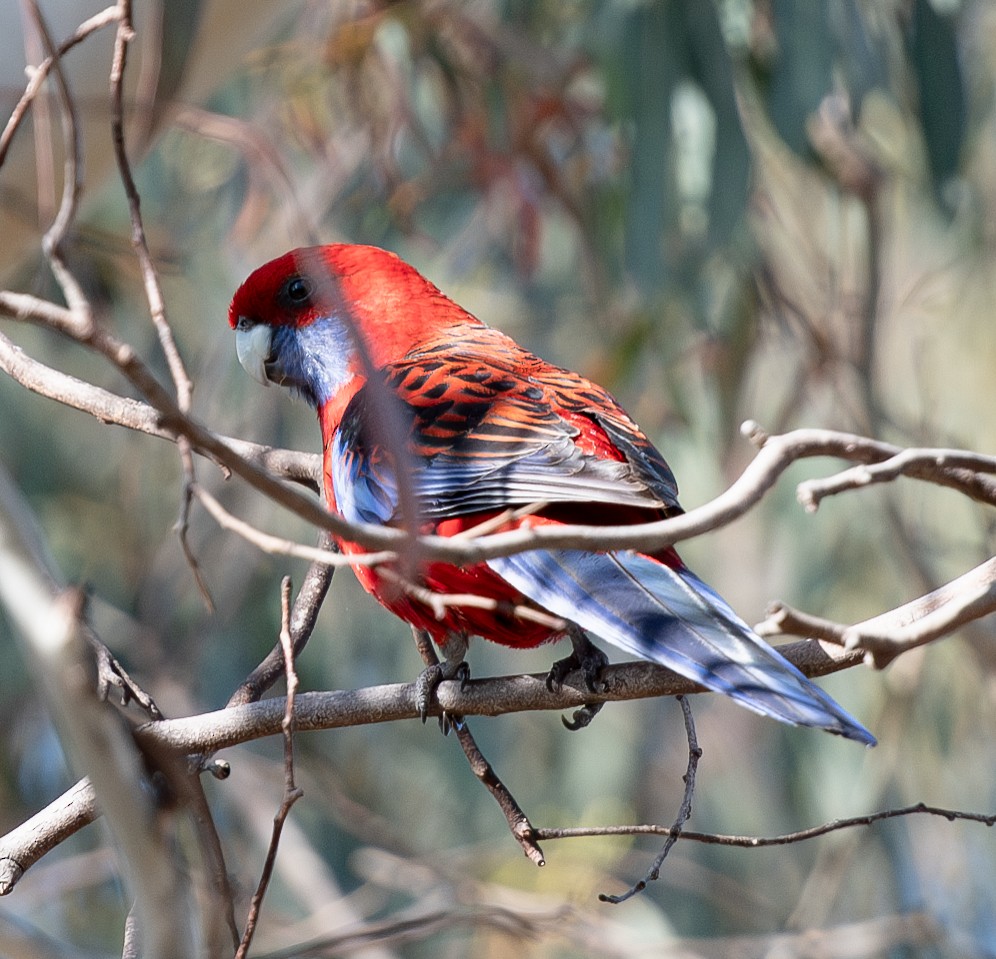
305	319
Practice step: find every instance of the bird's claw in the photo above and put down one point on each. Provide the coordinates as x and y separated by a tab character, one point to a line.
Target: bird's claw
559	671
425	690
590	661
582	717
592	665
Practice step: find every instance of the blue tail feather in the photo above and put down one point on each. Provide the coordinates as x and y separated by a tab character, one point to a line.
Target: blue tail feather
670	617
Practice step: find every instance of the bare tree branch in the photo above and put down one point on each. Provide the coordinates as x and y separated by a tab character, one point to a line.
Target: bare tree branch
882	638
39	74
684	811
108	407
921	463
518	822
153	290
292	792
760	842
209	732
49	621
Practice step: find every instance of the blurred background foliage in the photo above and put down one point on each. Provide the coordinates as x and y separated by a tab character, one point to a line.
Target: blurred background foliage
779	209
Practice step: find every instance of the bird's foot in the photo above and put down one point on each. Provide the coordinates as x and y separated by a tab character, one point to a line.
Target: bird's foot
582	717
428	681
589	660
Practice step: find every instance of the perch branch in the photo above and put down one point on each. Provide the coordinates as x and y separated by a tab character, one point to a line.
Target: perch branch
209	732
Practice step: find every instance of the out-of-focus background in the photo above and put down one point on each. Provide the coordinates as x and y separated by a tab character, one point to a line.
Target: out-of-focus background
780	210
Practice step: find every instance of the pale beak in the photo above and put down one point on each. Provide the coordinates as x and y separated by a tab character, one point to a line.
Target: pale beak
253	348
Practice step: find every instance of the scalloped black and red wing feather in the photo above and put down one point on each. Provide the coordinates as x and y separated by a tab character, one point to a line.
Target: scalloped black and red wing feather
489	426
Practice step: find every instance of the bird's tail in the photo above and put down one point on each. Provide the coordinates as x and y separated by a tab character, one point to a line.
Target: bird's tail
669	616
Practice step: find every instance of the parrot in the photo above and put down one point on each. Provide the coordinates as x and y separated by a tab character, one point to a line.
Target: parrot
428	416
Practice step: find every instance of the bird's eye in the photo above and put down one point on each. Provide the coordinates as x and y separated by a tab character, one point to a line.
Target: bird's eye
298	290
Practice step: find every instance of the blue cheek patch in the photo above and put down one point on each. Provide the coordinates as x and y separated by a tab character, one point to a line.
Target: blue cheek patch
314	360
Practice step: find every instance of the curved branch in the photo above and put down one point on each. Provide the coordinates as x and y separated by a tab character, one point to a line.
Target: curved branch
760	842
931	464
882	638
40	73
775	455
111	408
209	732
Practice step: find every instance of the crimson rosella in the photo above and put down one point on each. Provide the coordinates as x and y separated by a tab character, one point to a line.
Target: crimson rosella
403	378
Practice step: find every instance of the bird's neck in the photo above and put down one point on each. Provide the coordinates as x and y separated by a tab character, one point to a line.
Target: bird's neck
330	412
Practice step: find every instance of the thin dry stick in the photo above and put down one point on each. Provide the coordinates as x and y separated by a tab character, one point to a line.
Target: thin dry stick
684	811
278	545
292	792
811	493
518	823
153	289
72	185
108	407
440	602
112	675
759	842
781	619
922	620
40	73
302	623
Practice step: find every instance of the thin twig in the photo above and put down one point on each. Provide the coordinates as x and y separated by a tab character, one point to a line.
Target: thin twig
72	185
108	407
440	602
518	822
783	620
40	73
760	842
911	461
302	623
938	613
684	811
292	792
278	545
153	289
